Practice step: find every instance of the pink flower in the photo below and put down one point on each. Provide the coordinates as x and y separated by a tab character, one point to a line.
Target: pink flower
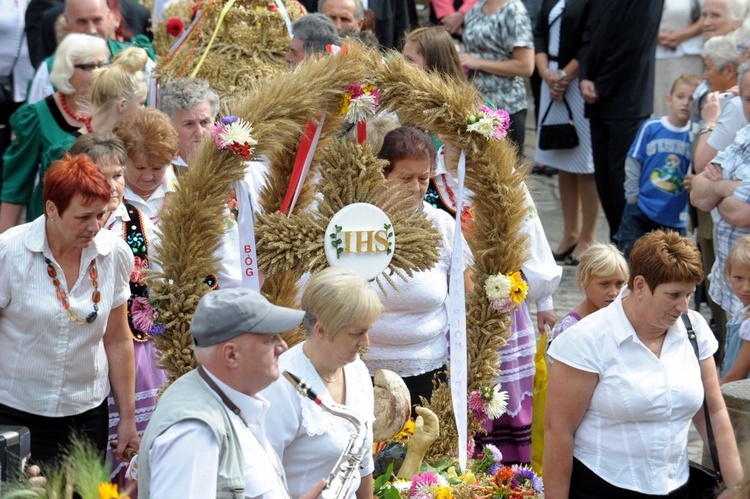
136	275
477	405
422	485
143	314
503	305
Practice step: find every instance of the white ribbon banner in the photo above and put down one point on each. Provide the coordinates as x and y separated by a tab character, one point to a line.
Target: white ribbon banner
309	153
287	20
246	226
457	321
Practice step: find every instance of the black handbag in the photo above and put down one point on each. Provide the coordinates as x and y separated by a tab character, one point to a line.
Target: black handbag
562	136
704	483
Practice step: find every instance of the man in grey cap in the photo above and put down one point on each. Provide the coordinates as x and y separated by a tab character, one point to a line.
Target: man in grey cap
206	437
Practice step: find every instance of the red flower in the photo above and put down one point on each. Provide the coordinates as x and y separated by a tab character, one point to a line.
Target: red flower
175	26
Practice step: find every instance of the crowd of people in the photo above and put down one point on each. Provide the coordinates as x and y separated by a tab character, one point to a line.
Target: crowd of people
642	109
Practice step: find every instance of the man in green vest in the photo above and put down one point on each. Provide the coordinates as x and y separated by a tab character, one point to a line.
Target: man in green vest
206	437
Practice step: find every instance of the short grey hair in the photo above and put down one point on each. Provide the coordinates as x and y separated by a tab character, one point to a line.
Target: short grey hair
315	31
359	9
737	9
183	93
741	72
76	48
722	50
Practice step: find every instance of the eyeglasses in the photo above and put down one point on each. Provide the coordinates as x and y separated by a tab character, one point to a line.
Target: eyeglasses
89	66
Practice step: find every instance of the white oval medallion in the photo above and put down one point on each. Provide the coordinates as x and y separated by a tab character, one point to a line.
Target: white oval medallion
360	237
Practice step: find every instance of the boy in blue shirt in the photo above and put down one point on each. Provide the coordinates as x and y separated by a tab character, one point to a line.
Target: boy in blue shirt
655	170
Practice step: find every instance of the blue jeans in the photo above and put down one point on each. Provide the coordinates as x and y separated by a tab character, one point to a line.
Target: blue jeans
635	224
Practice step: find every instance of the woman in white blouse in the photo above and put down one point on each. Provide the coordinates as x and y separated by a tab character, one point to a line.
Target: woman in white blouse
340	307
63	317
410	337
626	384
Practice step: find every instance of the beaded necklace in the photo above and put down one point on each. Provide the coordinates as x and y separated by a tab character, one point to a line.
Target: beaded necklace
63	296
78	117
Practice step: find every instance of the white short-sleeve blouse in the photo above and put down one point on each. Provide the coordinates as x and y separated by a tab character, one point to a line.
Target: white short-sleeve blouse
52	366
634	433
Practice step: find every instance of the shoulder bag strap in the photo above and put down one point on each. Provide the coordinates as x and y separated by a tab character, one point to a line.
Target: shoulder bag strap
709	427
567	106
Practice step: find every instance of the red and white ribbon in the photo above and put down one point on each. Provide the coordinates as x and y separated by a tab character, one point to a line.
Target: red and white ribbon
305	152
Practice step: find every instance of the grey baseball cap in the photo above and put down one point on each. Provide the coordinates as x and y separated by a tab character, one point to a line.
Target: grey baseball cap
226	313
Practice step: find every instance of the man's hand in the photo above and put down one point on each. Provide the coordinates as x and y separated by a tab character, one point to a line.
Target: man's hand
713	172
453	22
588	89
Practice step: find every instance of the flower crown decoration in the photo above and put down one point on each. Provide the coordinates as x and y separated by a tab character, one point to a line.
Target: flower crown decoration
488	402
359	102
235	134
506	291
492	124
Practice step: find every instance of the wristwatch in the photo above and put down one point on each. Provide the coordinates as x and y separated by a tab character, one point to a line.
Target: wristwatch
705	129
563	74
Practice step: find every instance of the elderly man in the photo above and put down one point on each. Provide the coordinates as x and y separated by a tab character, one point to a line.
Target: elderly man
207	437
725	185
92	17
345	14
192	105
41	15
312	33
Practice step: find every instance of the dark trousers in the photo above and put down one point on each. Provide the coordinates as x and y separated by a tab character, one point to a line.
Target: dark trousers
49	436
585	484
421	386
635	224
610	141
517	130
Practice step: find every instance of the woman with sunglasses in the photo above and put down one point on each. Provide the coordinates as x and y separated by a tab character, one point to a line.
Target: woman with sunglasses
38	127
63	317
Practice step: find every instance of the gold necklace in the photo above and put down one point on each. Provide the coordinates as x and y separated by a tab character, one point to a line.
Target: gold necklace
327	381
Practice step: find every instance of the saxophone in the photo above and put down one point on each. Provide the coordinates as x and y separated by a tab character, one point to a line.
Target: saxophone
340	478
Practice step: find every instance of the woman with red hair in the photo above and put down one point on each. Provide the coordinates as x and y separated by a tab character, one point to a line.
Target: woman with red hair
63	325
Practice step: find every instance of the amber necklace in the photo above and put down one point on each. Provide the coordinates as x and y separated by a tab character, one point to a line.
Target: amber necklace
63	296
78	117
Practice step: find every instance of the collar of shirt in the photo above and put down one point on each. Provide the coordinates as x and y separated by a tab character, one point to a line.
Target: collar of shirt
622	329
120	212
253	409
179	161
36	241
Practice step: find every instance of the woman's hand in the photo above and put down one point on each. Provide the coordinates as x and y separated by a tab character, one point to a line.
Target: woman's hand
669	39
127	437
469	61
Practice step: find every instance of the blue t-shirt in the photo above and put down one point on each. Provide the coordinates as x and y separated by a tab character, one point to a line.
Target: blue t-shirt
664	152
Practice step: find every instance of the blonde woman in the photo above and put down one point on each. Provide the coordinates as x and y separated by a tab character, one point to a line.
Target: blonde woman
601	275
340	307
39	127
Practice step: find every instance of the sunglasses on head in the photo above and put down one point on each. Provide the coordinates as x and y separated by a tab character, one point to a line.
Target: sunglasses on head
89	66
